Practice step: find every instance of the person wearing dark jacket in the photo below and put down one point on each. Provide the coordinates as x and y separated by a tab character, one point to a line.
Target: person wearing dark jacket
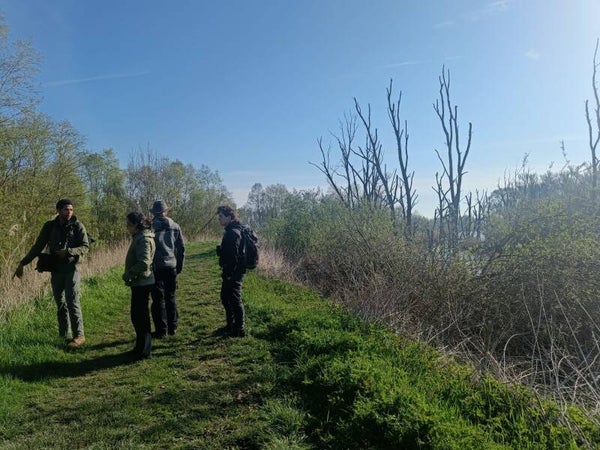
232	271
66	240
139	277
168	263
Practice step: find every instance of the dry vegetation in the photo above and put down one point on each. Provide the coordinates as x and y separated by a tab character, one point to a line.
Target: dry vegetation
15	292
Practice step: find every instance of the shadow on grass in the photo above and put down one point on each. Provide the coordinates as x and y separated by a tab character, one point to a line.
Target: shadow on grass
50	369
210	254
110	344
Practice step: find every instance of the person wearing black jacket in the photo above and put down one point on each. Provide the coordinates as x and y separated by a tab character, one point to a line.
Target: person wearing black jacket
232	271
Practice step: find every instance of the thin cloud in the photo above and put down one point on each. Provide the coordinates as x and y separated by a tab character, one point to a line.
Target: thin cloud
532	55
96	78
500	5
404	63
445	24
452	58
488	10
476	15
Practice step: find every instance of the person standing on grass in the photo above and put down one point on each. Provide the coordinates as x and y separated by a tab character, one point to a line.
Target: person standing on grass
67	241
232	271
168	262
140	278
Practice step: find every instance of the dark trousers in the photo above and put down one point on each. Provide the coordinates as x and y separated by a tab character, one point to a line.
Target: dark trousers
231	297
164	304
140	318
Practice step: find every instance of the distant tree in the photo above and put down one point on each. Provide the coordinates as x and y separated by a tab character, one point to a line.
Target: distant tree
449	183
253	210
408	197
362	177
144	182
353	188
265	204
105	186
66	146
206	191
594	122
385	185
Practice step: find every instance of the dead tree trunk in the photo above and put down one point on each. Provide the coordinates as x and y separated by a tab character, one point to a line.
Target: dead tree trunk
408	197
594	123
348	190
454	164
388	182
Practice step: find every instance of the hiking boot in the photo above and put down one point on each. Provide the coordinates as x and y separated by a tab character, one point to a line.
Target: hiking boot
77	342
157	335
239	333
224	332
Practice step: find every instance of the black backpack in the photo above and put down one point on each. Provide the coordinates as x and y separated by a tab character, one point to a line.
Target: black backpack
249	251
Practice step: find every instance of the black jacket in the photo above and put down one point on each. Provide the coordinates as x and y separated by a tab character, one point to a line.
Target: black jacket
230	249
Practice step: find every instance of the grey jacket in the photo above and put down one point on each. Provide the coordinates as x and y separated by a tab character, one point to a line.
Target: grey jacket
170	249
138	262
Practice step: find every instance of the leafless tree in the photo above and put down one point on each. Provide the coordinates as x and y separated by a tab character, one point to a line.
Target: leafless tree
387	182
348	190
408	196
594	122
454	162
362	176
356	179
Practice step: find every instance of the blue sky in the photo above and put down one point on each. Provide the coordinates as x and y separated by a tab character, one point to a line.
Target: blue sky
247	87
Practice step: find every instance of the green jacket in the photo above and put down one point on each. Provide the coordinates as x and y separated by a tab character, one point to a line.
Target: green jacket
138	262
71	236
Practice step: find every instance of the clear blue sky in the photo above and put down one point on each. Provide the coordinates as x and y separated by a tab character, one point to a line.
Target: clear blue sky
247	87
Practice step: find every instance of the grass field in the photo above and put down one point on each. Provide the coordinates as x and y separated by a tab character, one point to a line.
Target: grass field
309	376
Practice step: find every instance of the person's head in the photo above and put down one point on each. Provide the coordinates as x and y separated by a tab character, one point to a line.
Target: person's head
137	221
159	208
64	209
226	215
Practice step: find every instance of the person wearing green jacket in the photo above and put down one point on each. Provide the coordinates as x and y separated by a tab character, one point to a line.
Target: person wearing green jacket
65	239
139	277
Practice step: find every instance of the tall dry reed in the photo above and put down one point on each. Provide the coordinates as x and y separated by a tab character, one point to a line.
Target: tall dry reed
15	292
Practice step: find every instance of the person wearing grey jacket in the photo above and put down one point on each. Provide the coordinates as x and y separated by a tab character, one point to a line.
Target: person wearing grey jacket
139	277
168	263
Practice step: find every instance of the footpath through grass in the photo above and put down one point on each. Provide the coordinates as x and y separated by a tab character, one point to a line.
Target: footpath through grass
308	377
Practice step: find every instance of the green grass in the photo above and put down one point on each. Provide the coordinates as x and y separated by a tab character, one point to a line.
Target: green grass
309	377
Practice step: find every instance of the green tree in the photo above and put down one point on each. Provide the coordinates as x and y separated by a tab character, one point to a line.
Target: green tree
18	67
105	186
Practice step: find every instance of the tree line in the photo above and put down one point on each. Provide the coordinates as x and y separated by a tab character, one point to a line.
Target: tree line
42	160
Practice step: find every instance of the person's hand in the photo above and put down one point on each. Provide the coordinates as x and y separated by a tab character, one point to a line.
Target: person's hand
19	271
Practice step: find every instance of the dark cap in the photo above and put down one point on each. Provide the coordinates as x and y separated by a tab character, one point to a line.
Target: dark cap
158	207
